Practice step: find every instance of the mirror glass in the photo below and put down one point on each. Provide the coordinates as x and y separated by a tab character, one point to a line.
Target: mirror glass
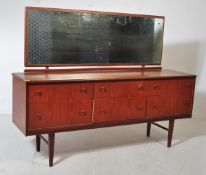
59	38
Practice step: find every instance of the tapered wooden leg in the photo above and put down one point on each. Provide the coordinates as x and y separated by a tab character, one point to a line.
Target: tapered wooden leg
148	128
51	148
38	143
170	132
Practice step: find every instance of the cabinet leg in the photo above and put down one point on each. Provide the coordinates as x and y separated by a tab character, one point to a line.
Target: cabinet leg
38	143
148	128
51	148
170	132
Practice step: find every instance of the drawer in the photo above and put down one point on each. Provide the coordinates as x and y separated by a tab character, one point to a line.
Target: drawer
120	89
39	116
60	113
44	115
39	93
46	93
157	87
185	86
137	107
80	112
82	91
118	109
183	104
158	106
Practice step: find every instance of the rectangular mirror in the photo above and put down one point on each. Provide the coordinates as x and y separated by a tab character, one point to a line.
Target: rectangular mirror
70	37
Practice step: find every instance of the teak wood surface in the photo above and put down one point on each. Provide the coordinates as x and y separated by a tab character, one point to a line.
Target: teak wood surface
47	102
99	75
124	96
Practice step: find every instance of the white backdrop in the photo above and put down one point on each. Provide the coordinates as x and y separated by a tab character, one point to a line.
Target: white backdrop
184	38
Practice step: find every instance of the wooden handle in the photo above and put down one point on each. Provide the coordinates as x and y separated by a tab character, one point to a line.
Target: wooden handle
102	111
187	85
38	93
82	113
38	116
83	90
102	89
140	87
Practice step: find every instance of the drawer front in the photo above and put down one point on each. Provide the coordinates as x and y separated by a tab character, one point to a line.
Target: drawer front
137	107
81	91
81	112
158	106
157	87
185	86
60	113
118	109
183	104
46	115
39	94
46	93
119	89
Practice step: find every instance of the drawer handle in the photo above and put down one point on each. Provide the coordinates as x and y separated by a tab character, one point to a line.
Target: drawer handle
140	87
83	90
102	111
156	87
38	93
38	116
82	113
187	85
102	89
139	108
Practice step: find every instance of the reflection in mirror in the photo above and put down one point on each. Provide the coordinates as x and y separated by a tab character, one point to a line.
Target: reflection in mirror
57	37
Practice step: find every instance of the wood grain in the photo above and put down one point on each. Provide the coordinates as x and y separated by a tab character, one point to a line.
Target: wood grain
19	104
82	76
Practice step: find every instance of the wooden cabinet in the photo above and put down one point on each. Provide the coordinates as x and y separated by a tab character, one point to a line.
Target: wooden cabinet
46	103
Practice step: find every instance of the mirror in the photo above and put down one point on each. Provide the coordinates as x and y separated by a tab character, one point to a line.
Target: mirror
59	38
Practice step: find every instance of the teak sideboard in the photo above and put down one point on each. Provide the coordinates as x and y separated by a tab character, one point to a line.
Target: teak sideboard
51	102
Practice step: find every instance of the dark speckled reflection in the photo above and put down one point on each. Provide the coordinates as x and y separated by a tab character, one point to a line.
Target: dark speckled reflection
77	38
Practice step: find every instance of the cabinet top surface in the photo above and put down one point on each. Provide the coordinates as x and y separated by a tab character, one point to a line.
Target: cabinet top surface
99	75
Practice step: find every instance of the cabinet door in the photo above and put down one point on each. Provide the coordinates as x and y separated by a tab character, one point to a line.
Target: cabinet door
118	109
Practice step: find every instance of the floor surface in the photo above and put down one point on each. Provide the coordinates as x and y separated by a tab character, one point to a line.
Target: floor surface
123	150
